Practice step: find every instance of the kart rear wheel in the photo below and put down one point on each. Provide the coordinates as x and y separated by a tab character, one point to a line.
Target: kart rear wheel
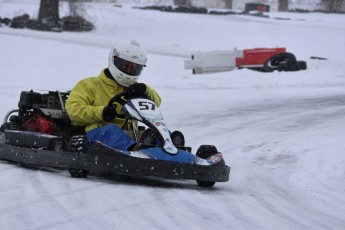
204	152
78	173
205	184
78	144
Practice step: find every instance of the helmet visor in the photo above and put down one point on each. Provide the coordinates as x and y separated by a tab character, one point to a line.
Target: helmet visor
128	67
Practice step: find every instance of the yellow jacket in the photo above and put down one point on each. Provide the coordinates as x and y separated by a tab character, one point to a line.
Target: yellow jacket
88	98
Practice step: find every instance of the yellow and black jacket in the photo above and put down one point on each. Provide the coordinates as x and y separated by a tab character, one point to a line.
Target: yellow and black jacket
88	98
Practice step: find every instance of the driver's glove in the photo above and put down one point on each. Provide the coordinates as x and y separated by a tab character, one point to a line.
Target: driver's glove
135	90
109	113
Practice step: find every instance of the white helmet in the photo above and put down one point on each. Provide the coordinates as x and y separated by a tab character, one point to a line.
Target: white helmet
126	61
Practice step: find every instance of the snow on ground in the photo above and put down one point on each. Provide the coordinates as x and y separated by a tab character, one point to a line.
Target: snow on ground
282	133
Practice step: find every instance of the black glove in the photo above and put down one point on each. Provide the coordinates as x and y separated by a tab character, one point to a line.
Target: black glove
109	113
135	90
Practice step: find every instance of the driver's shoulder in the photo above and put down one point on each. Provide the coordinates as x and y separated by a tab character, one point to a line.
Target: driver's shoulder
153	94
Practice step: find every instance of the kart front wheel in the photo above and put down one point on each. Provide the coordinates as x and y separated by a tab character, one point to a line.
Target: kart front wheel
204	152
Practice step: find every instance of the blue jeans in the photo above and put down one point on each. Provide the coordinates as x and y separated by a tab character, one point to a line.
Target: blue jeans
112	136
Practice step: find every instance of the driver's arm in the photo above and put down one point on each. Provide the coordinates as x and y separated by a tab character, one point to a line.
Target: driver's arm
79	105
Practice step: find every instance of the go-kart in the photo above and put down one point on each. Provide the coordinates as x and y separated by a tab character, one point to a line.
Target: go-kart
39	133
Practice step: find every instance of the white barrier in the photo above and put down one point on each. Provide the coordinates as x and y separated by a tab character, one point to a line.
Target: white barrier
219	61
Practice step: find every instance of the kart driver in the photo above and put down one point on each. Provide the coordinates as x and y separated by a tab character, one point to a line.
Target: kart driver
87	103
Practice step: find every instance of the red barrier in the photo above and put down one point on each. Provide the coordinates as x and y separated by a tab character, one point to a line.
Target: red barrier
257	57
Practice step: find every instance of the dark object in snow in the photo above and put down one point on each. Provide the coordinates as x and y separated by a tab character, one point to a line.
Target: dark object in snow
160	8
190	9
215	12
69	23
280	62
256	7
318	58
20	22
178	9
284	62
5	21
77	24
47	24
41	135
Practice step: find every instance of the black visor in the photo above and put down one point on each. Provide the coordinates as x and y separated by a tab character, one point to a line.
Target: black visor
128	67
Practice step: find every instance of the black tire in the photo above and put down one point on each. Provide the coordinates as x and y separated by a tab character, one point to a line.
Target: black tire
79	144
204	152
78	173
177	138
301	65
205	184
280	62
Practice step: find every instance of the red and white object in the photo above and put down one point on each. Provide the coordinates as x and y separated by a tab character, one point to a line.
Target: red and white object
219	61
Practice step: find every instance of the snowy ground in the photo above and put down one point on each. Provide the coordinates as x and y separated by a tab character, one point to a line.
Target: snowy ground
282	133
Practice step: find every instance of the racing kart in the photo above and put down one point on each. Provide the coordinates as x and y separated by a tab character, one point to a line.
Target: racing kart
39	133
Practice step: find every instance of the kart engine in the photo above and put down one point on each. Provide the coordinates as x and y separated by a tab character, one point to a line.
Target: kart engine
42	113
